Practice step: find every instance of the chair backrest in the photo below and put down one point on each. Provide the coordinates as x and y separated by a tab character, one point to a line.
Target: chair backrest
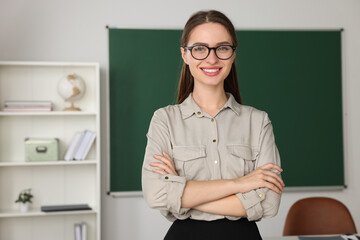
318	215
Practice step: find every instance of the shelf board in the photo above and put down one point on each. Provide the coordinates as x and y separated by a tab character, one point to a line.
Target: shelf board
47	64
49	163
52	113
38	213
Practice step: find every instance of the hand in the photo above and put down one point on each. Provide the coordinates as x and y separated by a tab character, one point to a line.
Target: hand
263	176
166	166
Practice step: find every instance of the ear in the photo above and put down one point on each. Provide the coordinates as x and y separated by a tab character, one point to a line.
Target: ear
184	55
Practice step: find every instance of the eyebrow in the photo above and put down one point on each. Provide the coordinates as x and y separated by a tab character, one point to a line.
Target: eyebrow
218	44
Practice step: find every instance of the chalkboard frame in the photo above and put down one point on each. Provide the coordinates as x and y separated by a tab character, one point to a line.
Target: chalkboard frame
341	183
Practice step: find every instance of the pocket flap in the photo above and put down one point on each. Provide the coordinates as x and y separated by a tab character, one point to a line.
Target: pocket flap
187	153
243	151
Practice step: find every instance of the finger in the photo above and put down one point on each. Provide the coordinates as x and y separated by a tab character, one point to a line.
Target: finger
160	165
269	185
164	167
172	163
162	158
168	157
272	177
275	176
272	187
268	179
168	162
274	181
269	166
272	166
162	172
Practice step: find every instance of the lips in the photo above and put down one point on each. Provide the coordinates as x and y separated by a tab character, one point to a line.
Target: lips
212	71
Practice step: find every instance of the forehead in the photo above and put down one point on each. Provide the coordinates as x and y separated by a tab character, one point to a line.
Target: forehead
210	33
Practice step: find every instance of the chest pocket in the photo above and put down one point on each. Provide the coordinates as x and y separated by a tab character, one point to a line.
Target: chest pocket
190	161
246	155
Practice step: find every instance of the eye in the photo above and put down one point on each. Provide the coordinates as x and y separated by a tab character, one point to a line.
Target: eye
200	49
223	48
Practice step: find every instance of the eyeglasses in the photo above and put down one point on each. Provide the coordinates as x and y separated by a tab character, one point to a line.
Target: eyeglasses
200	52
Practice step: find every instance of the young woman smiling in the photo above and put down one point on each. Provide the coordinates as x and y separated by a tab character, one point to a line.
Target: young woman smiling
211	164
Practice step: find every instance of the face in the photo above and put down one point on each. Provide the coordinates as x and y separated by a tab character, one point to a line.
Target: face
211	71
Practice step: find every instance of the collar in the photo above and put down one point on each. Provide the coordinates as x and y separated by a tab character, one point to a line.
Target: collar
189	107
232	104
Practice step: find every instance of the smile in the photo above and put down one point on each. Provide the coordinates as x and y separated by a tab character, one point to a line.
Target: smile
211	70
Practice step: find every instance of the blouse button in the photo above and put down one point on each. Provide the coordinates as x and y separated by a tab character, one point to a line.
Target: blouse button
166	177
198	113
260	195
212	120
214	140
215	162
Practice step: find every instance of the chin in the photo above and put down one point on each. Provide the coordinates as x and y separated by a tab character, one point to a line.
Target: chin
211	82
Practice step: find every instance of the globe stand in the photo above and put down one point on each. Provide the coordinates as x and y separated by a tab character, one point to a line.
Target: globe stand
71	88
72	108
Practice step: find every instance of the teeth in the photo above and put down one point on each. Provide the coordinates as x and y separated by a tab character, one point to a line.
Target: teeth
211	70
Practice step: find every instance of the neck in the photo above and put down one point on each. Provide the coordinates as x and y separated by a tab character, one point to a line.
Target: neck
209	99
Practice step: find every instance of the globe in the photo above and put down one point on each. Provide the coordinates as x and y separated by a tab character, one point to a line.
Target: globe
71	88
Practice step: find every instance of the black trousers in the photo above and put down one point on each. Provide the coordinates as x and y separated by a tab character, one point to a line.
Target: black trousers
221	229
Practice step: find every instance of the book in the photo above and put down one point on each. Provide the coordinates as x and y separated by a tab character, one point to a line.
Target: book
28	109
80	231
66	207
75	143
77	231
83	231
28	103
80	145
28	106
85	145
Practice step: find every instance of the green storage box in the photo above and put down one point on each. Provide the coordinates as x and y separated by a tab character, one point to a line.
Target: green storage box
41	149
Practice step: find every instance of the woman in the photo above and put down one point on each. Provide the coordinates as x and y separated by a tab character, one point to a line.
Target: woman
211	164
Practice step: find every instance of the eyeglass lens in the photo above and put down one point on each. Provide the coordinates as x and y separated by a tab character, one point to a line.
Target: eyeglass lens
202	52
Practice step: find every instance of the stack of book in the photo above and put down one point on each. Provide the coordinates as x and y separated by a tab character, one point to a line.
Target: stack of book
80	145
28	106
80	231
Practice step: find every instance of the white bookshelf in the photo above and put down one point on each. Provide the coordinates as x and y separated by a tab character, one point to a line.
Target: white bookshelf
53	182
56	163
11	213
53	113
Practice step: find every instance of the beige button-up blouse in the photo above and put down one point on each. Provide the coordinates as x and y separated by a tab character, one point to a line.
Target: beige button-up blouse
229	145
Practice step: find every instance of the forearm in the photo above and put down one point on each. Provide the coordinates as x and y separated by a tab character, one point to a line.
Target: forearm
227	206
200	192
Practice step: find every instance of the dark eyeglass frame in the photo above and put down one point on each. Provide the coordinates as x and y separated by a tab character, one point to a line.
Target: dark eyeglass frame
211	48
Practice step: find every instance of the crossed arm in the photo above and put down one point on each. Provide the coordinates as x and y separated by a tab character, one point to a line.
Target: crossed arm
218	196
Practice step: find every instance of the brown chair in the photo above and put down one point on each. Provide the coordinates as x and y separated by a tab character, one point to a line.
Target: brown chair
318	215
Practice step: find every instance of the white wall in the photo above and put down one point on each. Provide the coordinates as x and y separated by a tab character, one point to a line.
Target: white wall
74	30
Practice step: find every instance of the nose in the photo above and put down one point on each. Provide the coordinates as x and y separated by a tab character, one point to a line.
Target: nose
212	58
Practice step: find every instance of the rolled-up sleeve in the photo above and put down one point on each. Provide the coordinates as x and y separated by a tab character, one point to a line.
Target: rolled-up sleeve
263	202
161	192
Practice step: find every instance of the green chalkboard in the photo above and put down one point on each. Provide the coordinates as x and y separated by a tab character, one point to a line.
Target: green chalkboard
295	76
